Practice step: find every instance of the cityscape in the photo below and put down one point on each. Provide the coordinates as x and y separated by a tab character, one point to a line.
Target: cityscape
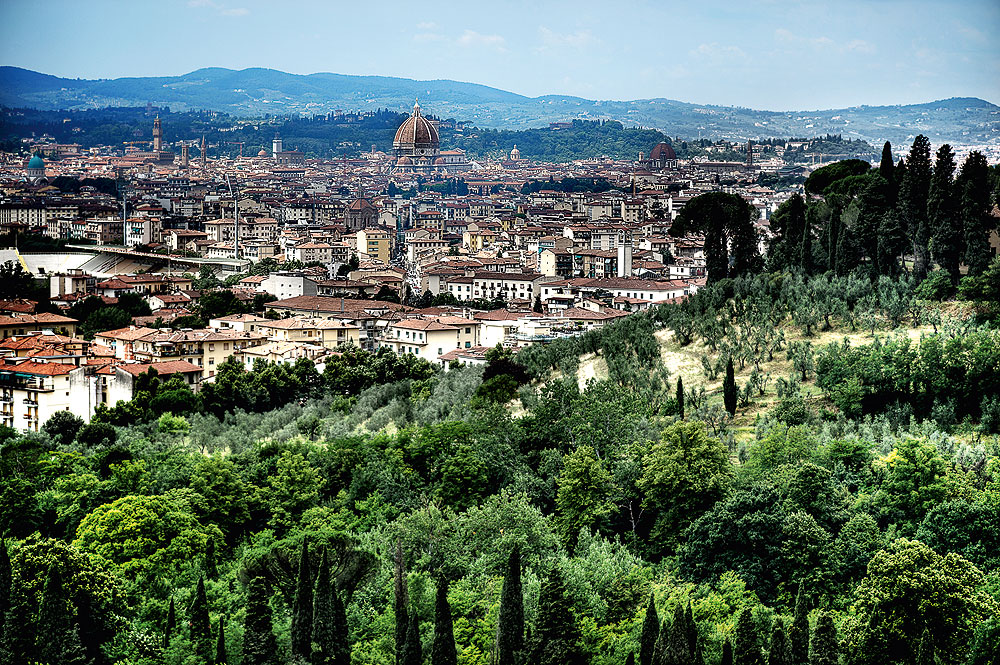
405	371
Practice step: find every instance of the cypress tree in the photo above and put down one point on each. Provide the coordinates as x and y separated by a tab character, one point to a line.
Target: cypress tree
201	625
727	653
57	636
974	189
692	633
890	244
798	632
211	566
402	602
925	654
5	582
887	167
650	631
823	649
942	213
302	607
260	647
680	397
804	255
329	626
18	645
509	645
631	658
413	653
557	635
221	657
913	193
443	651
168	630
678	646
779	652
729	390
662	645
746	649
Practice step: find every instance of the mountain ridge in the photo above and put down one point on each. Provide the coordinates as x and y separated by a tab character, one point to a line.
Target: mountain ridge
258	91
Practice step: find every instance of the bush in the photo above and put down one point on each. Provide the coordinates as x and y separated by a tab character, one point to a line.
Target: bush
937	286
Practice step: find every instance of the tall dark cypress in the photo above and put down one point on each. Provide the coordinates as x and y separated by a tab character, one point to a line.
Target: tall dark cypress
17	646
678	646
171	626
975	205
57	637
329	637
402	602
201	625
508	648
823	648
727	653
746	647
211	565
5	582
887	167
942	213
260	647
662	645
650	631
729	390
557	635
630	660
302	607
890	244
779	652
221	657
680	397
798	632
413	651
913	193
692	633
443	651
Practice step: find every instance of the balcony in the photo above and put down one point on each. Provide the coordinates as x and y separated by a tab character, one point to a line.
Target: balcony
31	402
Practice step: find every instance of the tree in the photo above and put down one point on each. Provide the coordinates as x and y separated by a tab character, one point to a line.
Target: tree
557	637
679	646
746	646
887	167
727	653
62	426
583	497
798	632
730	392
909	588
942	213
790	232
537	307
890	244
221	657
727	221
413	652
680	397
260	647
823	649
913	193
509	645
15	281
58	638
201	627
779	652
5	586
302	608
443	650
329	628
683	475
650	631
973	190
401	595
925	656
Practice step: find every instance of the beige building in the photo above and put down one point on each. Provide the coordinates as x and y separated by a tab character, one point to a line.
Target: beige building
22	324
430	339
205	348
322	332
375	243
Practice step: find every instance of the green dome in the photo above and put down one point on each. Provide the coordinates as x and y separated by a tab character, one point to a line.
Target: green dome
36	163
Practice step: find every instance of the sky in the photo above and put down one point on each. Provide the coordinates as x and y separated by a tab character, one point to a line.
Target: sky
763	54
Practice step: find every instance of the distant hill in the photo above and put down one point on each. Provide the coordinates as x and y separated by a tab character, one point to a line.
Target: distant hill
254	92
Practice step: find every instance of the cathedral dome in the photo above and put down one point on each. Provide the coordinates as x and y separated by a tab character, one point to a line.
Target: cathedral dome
416	133
262	153
36	163
662	151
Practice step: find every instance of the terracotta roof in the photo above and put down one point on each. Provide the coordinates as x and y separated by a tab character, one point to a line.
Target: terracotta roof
164	368
37	368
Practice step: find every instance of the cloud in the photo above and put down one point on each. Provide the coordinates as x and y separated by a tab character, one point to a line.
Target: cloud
716	51
578	39
821	43
427	37
471	38
426	25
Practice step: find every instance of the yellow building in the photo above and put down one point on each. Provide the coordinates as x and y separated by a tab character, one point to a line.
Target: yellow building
375	243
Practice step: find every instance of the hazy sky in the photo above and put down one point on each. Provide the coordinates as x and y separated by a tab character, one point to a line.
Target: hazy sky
775	54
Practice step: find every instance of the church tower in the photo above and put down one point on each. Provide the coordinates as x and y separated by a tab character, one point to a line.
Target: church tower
157	135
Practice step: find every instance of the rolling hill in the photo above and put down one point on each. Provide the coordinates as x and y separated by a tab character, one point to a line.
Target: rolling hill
257	91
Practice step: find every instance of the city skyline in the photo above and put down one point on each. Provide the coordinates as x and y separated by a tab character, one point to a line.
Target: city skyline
872	53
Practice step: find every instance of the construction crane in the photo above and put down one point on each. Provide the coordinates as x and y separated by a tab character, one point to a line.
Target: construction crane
239	143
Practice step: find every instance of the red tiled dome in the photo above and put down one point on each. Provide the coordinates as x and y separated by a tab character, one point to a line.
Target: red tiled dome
416	132
404	161
662	151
